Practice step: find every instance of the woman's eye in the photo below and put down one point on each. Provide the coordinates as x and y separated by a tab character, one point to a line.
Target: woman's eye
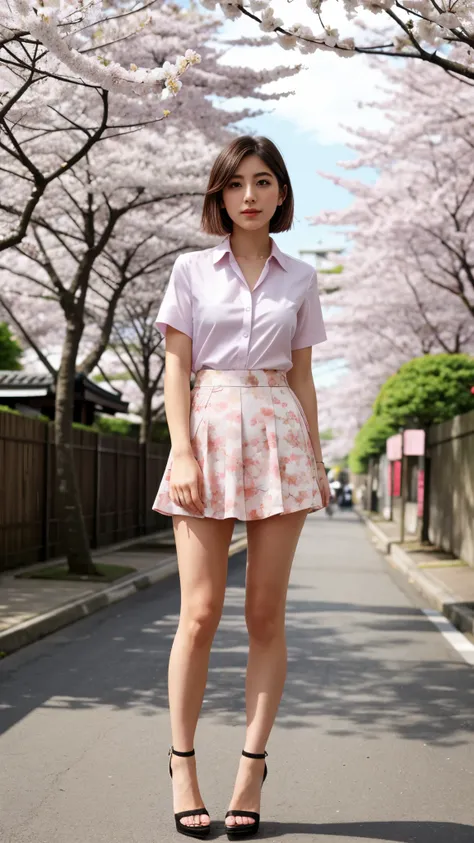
263	181
234	184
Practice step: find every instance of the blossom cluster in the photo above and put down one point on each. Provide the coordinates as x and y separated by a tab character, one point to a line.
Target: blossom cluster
425	25
61	26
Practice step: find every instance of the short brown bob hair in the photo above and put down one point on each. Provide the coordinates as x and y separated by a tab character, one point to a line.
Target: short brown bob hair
216	220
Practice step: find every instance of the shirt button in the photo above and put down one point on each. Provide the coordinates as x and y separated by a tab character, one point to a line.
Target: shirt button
247	308
245	335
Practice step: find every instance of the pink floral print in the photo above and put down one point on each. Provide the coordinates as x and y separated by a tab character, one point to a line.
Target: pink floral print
251	439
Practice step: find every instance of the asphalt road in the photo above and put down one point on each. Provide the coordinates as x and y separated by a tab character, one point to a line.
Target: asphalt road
373	741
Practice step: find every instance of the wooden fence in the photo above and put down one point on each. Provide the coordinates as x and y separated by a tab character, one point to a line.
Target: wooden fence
117	477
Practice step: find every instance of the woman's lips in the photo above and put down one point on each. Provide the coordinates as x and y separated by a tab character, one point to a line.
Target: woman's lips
250	213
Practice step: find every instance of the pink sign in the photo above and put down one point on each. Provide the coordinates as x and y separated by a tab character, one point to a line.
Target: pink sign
414	445
394	447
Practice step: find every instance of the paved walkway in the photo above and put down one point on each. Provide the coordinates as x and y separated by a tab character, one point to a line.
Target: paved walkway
447	582
23	599
373	740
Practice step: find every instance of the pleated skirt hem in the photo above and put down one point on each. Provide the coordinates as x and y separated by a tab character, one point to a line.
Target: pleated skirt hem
250	437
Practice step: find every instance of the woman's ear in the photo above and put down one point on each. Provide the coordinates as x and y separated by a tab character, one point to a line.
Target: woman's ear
283	194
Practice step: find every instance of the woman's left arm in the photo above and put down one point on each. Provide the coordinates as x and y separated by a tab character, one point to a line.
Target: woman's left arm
300	380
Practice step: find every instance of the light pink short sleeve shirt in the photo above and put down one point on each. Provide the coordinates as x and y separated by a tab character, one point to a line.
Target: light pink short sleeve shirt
233	327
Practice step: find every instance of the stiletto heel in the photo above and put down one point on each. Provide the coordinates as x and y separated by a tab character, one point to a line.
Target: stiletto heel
238	831
200	831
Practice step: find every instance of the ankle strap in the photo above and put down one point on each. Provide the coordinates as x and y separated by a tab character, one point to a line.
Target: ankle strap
173	751
254	754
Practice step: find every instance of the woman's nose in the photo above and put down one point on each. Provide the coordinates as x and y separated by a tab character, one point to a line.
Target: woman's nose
250	193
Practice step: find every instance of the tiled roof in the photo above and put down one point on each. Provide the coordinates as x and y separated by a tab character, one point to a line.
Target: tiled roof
24	379
29	380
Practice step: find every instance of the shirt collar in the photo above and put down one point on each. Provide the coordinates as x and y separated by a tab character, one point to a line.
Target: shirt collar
223	249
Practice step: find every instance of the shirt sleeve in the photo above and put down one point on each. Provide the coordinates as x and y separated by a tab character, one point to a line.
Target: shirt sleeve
176	304
310	328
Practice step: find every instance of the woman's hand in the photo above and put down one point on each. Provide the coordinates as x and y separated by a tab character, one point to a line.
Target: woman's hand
323	484
187	484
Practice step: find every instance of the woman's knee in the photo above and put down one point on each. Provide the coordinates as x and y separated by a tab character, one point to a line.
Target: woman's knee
265	619
200	620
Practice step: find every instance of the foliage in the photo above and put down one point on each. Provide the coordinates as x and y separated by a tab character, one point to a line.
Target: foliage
35	417
370	442
335	270
326	435
5	409
427	390
109	425
160	432
10	350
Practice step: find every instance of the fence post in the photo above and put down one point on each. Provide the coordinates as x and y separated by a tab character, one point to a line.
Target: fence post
392	486
97	467
140	496
425	524
46	514
145	514
118	492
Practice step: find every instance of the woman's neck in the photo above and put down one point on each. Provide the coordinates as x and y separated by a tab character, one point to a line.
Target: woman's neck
250	244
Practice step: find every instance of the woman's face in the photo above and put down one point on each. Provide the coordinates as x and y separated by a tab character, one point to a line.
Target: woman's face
252	194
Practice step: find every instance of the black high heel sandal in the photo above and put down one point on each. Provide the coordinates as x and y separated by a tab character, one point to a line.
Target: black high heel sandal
200	831
238	831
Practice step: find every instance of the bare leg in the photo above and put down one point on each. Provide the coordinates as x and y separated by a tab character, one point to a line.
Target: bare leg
202	546
271	547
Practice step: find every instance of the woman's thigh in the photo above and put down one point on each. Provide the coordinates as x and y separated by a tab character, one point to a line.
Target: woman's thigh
202	546
272	544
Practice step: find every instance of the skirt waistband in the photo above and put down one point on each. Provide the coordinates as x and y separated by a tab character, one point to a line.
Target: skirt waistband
241	377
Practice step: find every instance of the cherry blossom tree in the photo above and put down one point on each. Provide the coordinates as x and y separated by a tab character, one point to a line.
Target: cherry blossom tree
407	288
110	221
75	40
439	32
134	360
51	63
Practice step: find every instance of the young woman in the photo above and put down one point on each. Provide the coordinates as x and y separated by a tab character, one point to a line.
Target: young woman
245	442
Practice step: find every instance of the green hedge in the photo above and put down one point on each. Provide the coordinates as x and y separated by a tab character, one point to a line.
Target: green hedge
426	390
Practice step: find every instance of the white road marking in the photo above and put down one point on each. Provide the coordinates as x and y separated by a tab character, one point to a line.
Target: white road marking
457	640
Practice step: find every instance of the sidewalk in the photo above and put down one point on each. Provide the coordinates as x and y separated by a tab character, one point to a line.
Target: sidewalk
446	582
31	609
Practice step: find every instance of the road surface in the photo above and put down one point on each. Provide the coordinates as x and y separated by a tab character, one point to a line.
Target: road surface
374	737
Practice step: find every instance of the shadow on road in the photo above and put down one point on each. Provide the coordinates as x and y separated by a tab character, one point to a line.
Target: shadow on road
359	669
398	832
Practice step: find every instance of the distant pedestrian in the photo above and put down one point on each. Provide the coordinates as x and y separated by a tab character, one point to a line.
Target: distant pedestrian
243	317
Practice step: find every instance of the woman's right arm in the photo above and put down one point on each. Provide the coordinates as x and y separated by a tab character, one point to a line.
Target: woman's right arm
186	481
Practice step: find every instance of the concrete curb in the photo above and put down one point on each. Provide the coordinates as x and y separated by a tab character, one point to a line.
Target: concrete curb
86	604
449	604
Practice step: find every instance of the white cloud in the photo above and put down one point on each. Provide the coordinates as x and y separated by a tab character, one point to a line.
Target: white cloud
329	90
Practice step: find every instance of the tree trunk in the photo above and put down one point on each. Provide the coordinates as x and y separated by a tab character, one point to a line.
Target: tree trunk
73	525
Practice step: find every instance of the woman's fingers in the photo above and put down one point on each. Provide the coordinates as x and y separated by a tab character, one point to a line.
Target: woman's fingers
189	502
187	497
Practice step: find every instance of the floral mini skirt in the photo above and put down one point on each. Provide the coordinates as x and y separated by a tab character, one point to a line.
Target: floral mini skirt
250	436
